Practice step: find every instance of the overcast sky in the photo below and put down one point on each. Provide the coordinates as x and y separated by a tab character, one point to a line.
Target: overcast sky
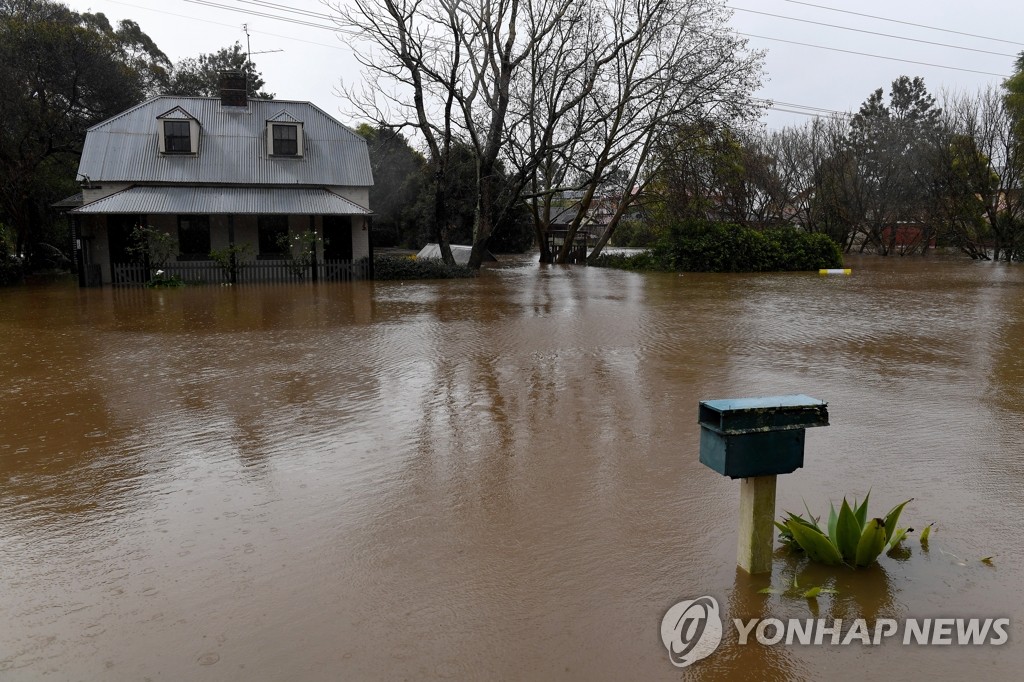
315	58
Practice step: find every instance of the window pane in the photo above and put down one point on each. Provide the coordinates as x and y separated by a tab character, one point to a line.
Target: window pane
194	237
273	235
177	137
286	140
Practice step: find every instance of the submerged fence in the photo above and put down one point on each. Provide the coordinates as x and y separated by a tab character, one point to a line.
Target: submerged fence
245	272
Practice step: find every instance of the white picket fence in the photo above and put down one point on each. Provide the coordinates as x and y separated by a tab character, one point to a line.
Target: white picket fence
247	272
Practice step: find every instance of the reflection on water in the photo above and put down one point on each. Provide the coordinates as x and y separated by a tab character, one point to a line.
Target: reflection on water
490	479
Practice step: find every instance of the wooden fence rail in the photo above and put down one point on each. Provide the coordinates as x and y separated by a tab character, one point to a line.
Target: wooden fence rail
247	272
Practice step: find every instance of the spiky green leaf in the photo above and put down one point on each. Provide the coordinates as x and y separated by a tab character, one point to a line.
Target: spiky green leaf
872	542
812	593
862	511
848	533
926	533
893	517
801	520
812	518
832	518
817	545
896	539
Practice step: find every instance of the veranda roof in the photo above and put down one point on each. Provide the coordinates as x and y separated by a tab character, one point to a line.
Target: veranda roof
223	200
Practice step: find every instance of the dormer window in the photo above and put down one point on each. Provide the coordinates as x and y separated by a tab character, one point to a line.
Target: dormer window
177	137
178	132
284	136
286	139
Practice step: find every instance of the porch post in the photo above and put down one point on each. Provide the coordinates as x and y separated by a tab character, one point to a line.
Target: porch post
368	224
312	262
232	265
76	242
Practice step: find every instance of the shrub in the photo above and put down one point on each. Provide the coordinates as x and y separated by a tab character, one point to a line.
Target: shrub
636	233
700	246
12	270
638	262
409	267
849	538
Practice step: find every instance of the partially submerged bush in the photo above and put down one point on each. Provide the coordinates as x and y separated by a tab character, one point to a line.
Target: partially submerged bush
161	280
410	267
851	538
12	269
700	246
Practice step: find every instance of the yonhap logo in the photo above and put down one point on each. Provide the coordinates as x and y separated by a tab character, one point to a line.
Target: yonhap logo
691	630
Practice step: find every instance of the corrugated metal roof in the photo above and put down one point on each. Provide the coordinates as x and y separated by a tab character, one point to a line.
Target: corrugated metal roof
223	200
69	202
232	147
461	253
176	112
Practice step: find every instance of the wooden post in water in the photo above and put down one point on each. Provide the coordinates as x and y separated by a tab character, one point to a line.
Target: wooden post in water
755	440
756	527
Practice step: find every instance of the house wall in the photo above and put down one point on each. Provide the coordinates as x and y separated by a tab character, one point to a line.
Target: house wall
98	192
357	195
360	237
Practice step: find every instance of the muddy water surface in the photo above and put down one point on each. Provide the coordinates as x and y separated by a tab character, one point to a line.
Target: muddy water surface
494	479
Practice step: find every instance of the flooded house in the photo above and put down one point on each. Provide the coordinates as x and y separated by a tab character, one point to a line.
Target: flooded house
244	189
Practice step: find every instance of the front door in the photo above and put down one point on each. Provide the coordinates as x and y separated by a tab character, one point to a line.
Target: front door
127	262
337	237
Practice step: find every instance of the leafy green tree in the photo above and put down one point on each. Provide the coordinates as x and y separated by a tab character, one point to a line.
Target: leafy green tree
60	72
399	182
1014	86
512	227
963	185
895	147
200	76
403	196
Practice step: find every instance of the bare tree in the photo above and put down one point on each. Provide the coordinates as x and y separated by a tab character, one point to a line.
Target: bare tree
567	91
455	61
671	63
986	164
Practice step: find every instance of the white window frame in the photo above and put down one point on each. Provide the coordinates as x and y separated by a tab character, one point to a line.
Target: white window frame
299	141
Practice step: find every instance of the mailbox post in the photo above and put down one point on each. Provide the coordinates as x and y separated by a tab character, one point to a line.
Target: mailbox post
755	440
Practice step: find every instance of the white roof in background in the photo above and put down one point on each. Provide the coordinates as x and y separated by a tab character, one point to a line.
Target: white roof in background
232	146
459	252
223	200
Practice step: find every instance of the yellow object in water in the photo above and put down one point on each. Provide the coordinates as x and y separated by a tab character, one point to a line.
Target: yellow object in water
836	271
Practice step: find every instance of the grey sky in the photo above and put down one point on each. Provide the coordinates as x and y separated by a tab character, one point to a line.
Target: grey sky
314	60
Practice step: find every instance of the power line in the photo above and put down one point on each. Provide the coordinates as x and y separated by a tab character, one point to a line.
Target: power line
286	8
336	29
800	109
874	33
339	46
866	54
254	13
906	23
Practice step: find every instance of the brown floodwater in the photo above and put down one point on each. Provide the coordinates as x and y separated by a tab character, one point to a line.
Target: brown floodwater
492	479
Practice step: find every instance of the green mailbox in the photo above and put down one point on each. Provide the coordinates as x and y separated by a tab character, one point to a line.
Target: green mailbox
748	437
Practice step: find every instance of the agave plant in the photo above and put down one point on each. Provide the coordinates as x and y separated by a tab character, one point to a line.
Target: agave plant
850	538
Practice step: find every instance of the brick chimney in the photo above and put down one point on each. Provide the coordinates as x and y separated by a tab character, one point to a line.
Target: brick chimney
233	89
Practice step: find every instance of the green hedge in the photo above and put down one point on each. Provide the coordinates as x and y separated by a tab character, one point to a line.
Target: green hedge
720	247
408	267
11	270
